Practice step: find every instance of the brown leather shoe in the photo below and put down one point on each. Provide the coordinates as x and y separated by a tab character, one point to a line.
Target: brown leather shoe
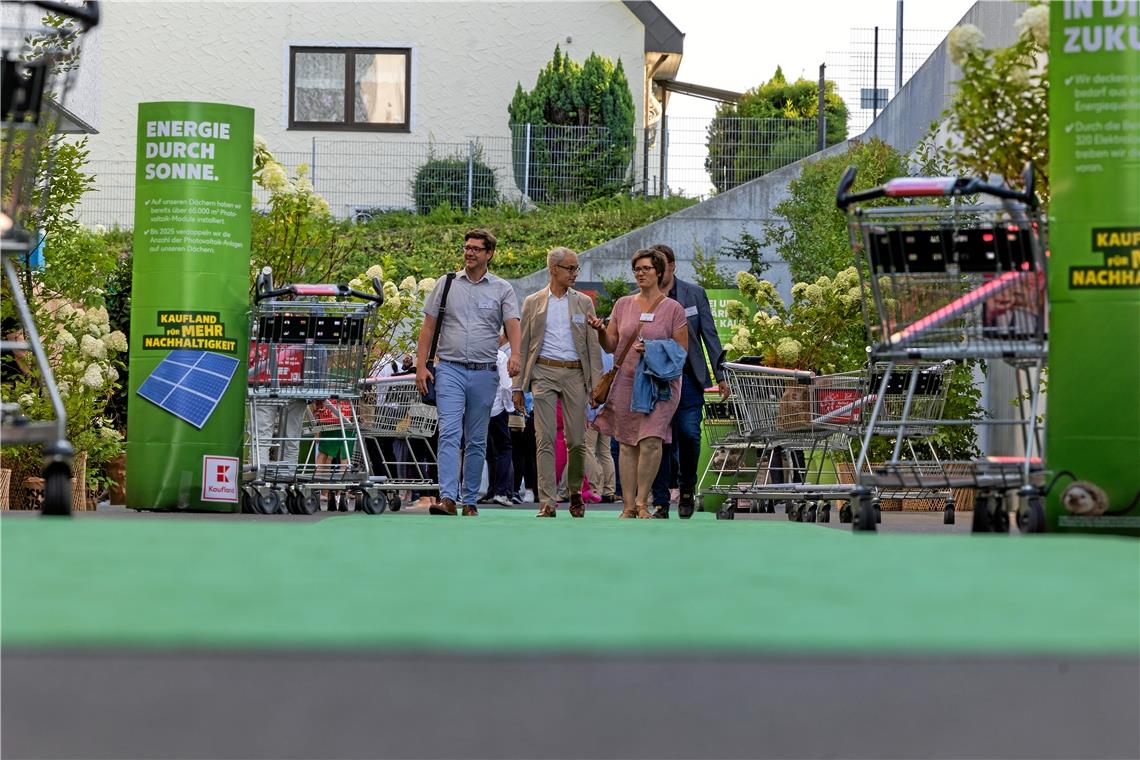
445	507
547	511
577	508
469	510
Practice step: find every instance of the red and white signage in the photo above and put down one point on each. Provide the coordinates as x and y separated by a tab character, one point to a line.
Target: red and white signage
221	477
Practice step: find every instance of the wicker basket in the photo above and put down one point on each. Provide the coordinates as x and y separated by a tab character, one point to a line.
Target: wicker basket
963	497
5	484
25	490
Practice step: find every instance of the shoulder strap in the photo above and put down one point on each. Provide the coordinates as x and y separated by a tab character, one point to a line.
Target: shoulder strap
439	316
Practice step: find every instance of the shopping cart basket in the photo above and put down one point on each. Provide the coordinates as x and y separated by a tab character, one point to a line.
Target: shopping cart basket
392	413
307	350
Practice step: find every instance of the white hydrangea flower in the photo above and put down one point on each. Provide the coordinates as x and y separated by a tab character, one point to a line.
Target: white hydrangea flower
26	400
391	292
788	351
318	205
65	311
814	292
1035	23
110	373
273	177
115	340
99	229
408	283
427	284
374	271
110	434
93	376
64	388
65	338
799	289
393	302
259	143
962	41
93	347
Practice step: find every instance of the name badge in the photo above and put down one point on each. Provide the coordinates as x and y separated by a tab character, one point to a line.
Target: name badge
690	311
646	316
579	319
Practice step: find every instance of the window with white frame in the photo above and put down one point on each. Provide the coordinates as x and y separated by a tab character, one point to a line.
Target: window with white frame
350	88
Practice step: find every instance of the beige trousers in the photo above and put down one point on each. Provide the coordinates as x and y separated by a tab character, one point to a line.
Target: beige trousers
599	463
548	385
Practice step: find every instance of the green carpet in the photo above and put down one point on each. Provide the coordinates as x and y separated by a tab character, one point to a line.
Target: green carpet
509	582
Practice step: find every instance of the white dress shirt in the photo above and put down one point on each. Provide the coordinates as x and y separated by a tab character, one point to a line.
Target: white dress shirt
558	341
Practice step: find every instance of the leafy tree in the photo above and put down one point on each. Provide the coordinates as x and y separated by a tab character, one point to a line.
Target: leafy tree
581	121
707	274
813	236
761	133
747	247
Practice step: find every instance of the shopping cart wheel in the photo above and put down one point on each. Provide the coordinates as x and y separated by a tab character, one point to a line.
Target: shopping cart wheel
864	518
878	511
268	501
948	513
982	522
845	515
57	490
809	515
825	512
727	511
1000	514
308	502
395	503
1031	516
372	502
247	501
292	497
770	507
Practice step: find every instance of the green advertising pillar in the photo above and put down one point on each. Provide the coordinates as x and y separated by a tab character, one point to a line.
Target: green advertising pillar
1093	423
189	306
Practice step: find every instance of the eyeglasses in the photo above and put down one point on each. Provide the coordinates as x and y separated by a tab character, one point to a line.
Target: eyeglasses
571	270
643	270
473	249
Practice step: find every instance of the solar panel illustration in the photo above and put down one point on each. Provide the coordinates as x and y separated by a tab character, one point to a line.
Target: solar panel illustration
189	384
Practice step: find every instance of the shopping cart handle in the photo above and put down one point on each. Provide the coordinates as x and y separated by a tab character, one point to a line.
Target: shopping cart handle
377	297
914	187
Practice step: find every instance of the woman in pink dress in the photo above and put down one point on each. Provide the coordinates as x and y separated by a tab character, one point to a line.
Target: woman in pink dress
645	315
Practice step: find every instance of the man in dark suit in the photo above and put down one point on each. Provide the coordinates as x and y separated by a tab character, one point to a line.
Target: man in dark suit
680	458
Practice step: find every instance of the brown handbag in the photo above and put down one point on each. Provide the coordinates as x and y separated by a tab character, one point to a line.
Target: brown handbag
601	391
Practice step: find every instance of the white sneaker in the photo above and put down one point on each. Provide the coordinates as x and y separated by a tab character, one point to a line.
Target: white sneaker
502	501
527	496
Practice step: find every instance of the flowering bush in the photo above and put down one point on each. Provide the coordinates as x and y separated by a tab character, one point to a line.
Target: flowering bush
297	236
999	116
821	331
84	353
401	315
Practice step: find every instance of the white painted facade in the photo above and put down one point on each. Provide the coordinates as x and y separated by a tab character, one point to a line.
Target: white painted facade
467	58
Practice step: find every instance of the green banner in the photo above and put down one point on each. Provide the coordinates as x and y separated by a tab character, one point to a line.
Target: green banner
189	306
1093	428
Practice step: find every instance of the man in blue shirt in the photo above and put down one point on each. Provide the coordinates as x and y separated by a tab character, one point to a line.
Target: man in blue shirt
479	306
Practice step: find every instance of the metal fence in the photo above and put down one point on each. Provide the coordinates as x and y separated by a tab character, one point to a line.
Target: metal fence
551	165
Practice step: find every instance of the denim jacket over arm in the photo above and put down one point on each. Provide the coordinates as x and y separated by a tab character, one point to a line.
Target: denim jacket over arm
662	362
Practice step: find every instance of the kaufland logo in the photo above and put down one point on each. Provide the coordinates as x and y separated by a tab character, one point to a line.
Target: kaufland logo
220	478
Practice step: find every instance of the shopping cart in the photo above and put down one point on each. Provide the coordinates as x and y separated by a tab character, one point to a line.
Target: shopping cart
777	452
392	413
306	361
843	403
962	278
39	61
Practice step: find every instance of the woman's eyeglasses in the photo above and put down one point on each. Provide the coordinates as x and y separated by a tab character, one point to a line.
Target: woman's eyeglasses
643	270
571	270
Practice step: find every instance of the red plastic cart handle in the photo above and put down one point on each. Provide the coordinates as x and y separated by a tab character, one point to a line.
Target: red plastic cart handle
907	187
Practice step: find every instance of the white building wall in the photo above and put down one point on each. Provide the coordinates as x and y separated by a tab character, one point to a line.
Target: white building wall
467	58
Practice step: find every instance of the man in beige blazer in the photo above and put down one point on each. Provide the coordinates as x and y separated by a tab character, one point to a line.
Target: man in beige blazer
561	359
